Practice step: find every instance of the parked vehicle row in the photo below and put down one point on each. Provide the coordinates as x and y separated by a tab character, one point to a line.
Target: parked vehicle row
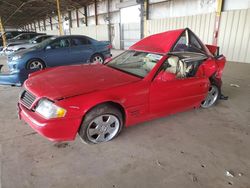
160	75
11	34
54	51
19	40
31	43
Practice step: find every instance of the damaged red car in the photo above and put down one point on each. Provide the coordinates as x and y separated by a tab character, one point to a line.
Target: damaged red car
162	74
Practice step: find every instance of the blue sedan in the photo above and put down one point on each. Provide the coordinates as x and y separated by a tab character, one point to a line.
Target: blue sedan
56	51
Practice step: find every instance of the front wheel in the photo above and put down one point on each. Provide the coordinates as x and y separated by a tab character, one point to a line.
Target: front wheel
101	124
97	58
35	64
212	97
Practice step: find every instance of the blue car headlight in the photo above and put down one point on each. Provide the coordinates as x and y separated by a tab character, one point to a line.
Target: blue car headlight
16	57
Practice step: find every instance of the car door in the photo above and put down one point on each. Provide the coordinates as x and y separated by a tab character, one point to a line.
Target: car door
81	49
178	94
57	53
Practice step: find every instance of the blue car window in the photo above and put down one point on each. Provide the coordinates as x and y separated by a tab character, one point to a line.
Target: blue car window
61	43
79	41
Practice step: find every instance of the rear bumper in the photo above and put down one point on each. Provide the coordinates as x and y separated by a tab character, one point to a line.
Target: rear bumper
107	54
64	129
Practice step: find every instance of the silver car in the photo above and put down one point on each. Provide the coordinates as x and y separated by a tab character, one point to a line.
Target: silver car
31	43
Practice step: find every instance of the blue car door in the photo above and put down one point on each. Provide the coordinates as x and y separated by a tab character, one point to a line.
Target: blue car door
57	53
81	50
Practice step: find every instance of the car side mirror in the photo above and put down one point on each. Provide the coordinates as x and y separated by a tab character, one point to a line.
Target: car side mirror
165	76
34	42
107	60
48	47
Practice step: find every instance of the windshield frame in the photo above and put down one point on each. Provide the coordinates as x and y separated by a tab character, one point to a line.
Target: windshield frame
131	73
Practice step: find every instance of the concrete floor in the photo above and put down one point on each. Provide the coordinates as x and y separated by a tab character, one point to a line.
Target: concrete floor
190	149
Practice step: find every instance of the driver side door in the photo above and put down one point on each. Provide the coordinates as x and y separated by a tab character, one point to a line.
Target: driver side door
179	94
57	53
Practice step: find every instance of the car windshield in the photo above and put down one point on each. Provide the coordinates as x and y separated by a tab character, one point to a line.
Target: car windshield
135	63
45	43
18	36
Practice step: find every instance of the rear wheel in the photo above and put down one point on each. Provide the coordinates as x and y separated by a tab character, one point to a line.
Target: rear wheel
35	64
97	58
101	124
212	97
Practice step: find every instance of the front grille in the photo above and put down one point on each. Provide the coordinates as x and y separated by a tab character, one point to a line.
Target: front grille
27	99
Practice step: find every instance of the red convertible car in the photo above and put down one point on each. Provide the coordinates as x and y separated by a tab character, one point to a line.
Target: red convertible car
162	74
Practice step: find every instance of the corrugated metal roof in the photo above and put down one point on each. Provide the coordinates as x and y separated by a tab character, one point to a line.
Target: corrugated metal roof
19	12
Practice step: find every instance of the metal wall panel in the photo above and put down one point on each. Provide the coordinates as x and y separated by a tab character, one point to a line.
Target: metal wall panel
234	34
99	32
202	25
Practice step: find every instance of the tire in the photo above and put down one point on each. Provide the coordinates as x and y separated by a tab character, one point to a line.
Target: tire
35	64
212	96
101	124
97	58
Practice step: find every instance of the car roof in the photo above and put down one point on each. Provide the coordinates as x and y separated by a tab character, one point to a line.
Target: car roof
25	34
158	43
72	36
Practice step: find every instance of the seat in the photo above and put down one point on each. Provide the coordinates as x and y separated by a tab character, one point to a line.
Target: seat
178	67
184	69
173	62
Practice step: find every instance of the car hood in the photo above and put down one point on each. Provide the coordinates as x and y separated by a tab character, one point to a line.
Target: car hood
16	40
16	43
68	81
21	52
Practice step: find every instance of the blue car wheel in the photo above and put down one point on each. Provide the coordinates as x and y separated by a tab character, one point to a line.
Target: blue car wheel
97	58
35	64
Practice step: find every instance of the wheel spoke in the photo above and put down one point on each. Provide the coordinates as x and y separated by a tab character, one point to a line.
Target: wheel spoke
99	120
100	138
110	130
111	120
94	131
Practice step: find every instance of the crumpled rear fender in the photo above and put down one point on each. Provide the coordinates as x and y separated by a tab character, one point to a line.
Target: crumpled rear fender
214	67
220	61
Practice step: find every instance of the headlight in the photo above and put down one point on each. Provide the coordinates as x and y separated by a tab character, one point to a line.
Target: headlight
49	110
16	57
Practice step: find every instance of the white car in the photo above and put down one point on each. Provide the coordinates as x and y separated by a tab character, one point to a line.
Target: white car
13	47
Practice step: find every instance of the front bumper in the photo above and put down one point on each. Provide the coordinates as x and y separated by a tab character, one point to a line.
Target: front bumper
63	129
14	78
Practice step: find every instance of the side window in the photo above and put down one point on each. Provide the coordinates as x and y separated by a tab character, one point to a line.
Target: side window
8	35
31	36
181	44
195	45
40	39
79	41
26	37
61	43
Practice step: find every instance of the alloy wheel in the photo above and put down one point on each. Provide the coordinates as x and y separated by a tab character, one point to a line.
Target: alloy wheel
35	65
98	59
103	128
211	98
